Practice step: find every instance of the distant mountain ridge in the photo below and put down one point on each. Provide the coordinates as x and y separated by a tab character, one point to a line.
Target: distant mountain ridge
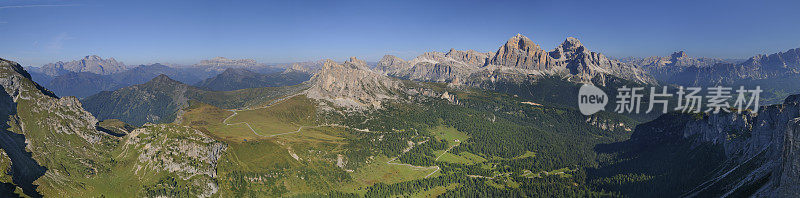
83	84
777	65
239	78
220	64
517	60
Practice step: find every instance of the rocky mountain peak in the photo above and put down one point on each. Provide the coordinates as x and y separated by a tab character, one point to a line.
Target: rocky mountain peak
391	64
520	52
521	42
162	79
571	42
679	54
351	85
354	62
91	63
568	49
94	58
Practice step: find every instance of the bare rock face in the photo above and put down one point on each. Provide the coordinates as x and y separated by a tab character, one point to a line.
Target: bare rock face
520	52
788	171
763	149
91	64
352	85
517	60
469	57
774	66
193	157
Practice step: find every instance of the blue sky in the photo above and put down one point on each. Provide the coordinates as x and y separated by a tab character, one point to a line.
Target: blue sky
138	32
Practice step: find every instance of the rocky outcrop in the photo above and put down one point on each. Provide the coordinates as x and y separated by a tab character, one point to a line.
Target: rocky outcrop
519	59
352	85
90	64
193	157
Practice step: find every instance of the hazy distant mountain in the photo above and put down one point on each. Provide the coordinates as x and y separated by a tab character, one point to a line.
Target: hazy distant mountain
237	78
90	64
303	67
759	67
517	60
664	68
83	84
220	64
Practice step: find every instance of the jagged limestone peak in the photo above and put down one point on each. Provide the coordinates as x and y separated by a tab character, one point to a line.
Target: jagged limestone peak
351	84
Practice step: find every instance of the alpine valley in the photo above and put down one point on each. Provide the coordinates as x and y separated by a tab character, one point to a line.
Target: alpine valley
503	123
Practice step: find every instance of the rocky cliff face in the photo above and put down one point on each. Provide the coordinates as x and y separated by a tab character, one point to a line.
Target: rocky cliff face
787	180
193	157
517	60
761	149
91	64
352	84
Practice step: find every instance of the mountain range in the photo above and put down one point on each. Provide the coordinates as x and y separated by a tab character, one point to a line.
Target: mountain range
93	74
454	124
518	60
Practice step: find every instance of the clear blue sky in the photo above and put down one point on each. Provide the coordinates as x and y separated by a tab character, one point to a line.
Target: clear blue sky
37	32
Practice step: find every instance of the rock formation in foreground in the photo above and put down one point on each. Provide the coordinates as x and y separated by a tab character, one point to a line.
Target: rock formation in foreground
757	153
